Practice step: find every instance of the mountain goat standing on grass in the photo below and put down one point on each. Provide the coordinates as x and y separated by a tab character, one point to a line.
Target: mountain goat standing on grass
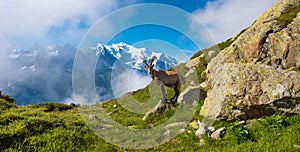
165	78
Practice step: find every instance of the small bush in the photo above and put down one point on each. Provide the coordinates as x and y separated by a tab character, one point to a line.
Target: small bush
197	54
240	133
288	16
6	102
296	69
201	68
37	126
275	121
50	107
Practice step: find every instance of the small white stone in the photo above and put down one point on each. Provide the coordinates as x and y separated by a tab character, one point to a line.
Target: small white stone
202	129
167	133
92	116
212	129
182	130
218	134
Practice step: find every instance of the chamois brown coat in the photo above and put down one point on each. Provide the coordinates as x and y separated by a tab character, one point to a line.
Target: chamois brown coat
165	78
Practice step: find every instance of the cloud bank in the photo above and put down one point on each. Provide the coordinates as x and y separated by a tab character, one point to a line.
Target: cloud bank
129	80
35	21
26	22
226	18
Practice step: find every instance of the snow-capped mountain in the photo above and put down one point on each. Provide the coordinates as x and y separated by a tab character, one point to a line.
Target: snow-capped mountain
42	74
131	56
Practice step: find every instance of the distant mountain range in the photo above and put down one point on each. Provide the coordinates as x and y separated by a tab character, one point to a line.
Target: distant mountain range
42	74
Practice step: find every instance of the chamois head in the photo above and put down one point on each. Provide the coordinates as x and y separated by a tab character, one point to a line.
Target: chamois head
149	66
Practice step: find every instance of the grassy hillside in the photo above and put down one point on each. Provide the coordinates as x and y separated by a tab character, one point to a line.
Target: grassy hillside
58	127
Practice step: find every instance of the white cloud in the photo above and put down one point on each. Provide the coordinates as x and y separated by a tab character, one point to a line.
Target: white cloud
34	18
226	18
127	81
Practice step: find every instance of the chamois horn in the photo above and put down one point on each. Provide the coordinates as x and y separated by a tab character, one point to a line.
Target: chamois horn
152	59
144	61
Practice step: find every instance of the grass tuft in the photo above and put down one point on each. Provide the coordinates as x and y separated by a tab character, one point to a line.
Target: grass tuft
288	16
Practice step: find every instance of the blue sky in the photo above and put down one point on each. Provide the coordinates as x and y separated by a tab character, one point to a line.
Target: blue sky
28	22
188	5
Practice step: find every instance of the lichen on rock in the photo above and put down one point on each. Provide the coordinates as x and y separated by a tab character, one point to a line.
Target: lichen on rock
242	91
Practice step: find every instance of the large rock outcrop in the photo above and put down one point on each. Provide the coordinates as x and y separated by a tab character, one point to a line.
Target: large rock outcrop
269	40
254	76
242	91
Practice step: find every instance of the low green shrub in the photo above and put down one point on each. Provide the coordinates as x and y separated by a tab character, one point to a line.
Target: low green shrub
288	16
6	102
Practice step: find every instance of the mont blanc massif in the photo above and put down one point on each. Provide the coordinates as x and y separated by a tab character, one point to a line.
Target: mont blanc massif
44	74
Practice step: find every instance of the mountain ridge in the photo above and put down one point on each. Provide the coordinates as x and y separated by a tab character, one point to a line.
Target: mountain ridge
46	71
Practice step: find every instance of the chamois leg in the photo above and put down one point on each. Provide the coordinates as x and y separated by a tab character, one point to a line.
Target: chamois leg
174	95
176	90
163	91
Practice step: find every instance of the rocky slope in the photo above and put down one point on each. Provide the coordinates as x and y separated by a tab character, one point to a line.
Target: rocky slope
257	74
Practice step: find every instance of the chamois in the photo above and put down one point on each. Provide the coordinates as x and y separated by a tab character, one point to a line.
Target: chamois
165	78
